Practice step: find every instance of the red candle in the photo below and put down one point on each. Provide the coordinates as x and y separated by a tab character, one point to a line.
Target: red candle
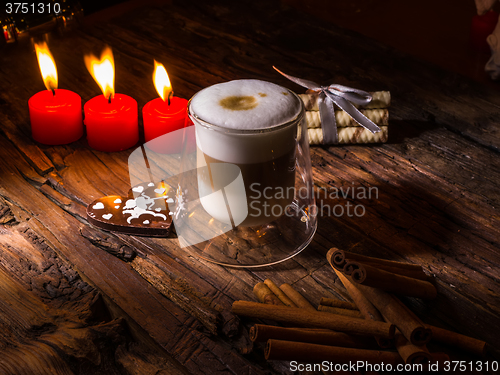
111	125
163	116
55	114
56	118
111	119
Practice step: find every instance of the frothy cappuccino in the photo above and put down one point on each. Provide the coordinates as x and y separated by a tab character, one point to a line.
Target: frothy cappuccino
252	124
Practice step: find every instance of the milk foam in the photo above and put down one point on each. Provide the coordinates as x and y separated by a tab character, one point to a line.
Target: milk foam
249	110
262	104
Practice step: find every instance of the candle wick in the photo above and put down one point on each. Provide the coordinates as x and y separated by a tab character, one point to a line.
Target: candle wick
109	99
170	94
53	92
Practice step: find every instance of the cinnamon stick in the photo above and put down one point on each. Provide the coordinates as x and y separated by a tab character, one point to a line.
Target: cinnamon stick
364	305
338	303
340	258
303	317
411	353
457	340
390	282
298	351
296	297
439	358
262	332
366	308
389	307
453	339
417	273
279	293
338	310
337	258
265	295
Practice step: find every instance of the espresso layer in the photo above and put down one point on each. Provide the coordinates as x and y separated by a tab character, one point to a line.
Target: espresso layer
268	189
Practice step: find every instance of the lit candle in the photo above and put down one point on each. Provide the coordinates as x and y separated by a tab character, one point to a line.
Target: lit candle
55	114
111	119
164	115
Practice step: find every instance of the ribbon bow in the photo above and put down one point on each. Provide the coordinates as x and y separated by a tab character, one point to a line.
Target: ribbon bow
342	96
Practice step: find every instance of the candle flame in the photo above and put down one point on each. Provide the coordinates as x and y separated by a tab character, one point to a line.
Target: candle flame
103	71
47	65
161	81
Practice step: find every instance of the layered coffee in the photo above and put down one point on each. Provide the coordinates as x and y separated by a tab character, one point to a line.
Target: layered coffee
251	124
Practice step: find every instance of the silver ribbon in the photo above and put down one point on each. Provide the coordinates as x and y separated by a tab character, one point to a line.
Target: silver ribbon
342	96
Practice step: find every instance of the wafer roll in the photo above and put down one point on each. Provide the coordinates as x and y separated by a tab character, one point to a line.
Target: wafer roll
380	99
377	116
351	135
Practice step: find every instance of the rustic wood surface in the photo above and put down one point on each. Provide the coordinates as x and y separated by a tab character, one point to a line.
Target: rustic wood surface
77	300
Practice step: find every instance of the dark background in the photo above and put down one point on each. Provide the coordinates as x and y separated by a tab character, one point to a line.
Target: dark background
427	29
431	30
91	6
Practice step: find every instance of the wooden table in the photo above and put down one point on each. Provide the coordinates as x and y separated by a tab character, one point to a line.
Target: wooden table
75	299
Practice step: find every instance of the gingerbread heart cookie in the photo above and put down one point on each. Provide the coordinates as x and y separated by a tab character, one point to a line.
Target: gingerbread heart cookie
143	212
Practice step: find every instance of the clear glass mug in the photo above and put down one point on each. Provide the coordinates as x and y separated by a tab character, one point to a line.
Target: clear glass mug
245	195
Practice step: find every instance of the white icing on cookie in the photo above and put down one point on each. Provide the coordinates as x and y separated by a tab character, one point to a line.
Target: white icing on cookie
137	211
117	200
131	203
98	206
107	216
